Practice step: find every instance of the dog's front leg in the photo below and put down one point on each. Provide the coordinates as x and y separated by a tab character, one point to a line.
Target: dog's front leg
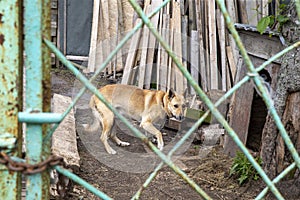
148	126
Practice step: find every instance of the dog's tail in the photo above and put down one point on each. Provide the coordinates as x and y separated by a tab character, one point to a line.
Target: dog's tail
96	117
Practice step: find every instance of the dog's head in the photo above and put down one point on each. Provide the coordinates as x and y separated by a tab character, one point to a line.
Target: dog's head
175	103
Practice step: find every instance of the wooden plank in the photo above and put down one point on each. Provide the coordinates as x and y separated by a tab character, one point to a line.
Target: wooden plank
231	62
79	58
232	9
194	58
206	39
94	37
130	60
243	12
251	12
192	15
261	46
163	69
202	65
177	46
221	34
239	112
144	49
264	9
212	45
185	44
151	44
159	59
171	78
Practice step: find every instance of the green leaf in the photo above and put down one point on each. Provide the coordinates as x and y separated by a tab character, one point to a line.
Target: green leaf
242	179
263	24
282	19
233	169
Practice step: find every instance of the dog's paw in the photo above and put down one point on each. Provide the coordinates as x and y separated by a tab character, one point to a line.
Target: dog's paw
124	144
160	146
111	151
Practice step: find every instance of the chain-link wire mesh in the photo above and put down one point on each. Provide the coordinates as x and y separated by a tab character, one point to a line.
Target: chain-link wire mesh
166	158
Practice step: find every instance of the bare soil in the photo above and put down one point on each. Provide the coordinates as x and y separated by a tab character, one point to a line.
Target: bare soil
210	172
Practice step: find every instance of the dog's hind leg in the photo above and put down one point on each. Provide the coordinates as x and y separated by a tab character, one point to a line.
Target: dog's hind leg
107	124
116	139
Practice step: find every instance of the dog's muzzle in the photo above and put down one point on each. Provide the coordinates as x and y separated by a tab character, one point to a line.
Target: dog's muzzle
180	117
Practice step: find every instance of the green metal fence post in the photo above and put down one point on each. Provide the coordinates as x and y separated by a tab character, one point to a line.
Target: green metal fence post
37	185
10	64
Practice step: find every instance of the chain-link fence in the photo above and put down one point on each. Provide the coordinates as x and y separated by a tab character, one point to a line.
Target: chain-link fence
34	118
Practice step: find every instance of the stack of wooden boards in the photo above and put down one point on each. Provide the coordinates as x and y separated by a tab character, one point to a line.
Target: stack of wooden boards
194	29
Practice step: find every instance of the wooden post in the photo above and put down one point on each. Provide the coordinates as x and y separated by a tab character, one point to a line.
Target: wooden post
163	70
212	44
202	64
221	34
130	60
94	37
239	113
143	61
151	45
194	57
177	46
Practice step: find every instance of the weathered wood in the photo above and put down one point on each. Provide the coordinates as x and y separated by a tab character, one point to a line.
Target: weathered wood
151	45
231	62
177	46
94	37
185	44
233	13
194	58
239	112
261	46
202	64
106	34
206	45
214	96
159	51
171	77
263	7
214	75
251	12
144	49
163	69
222	49
243	12
130	60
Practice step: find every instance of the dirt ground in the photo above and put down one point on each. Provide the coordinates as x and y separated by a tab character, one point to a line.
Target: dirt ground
210	172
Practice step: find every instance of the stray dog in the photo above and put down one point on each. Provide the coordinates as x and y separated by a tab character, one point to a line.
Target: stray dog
145	106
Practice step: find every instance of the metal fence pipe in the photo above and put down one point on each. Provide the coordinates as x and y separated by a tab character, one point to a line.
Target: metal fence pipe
37	185
11	61
39	118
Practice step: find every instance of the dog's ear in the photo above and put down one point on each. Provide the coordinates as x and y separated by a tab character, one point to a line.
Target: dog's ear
171	93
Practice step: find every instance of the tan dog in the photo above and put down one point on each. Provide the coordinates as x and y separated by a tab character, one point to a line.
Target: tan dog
145	106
